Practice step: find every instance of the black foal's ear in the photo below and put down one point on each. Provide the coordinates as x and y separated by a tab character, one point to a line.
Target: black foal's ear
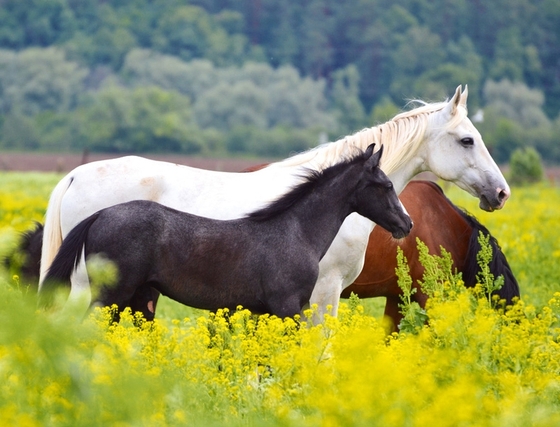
369	151
377	156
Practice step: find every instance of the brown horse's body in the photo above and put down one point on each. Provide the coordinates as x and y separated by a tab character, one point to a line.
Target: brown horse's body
437	222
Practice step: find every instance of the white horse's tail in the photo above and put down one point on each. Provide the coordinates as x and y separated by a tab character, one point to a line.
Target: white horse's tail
52	232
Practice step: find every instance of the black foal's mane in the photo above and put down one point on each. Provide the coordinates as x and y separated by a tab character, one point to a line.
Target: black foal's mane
299	191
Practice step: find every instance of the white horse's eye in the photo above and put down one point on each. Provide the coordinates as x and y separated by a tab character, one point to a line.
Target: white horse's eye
467	141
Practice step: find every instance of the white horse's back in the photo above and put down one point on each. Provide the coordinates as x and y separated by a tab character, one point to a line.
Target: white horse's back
97	185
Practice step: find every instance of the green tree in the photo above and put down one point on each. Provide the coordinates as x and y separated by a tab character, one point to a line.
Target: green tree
517	102
504	138
36	79
509	56
56	131
139	120
419	50
258	95
228	105
38	23
315	31
18	132
297	102
463	65
105	47
189	32
375	40
144	67
436	84
346	100
279	141
514	118
383	111
280	27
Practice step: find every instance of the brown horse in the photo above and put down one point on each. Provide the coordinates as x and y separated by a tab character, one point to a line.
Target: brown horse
437	222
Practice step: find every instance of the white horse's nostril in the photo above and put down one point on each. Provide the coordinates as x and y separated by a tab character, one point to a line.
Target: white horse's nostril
503	195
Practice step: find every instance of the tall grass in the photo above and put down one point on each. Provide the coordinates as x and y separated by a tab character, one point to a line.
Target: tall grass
469	365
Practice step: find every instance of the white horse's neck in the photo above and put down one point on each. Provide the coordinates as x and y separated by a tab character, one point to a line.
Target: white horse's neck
402	137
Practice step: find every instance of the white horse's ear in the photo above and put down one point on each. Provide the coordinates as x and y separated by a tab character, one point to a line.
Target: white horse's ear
451	107
464	96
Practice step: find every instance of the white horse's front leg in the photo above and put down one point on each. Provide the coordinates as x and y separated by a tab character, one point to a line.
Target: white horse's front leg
326	295
342	263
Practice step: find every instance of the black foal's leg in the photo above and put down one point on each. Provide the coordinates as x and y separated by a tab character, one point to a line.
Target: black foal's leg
286	307
144	300
123	293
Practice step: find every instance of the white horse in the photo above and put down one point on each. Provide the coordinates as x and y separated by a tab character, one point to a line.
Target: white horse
436	137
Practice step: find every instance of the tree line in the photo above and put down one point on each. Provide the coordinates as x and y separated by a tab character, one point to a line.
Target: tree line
269	77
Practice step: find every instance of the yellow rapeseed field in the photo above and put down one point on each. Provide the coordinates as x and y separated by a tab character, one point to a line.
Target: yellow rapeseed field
469	365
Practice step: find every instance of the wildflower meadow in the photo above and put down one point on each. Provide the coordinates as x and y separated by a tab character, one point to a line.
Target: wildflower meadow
472	363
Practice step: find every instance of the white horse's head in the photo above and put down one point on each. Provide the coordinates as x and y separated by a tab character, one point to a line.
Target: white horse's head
437	137
455	151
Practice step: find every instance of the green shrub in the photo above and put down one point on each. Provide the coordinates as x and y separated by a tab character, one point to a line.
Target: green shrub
526	166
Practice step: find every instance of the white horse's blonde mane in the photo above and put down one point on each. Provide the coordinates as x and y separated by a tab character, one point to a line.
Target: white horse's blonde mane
401	137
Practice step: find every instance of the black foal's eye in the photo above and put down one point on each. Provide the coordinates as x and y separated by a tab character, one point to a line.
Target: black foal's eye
467	141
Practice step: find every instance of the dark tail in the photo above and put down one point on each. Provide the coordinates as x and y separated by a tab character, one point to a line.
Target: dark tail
65	262
499	265
25	258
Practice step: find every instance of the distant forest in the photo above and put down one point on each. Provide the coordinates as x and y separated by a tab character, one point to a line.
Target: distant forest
270	77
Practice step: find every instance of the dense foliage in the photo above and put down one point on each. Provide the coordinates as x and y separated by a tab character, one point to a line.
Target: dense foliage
470	365
269	76
525	166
